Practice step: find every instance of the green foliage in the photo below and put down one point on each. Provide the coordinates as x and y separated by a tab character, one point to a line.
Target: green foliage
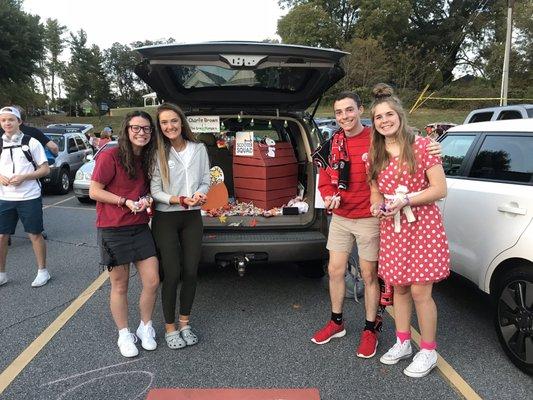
21	43
54	43
84	76
308	25
367	64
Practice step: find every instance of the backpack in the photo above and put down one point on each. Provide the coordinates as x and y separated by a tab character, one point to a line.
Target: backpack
24	145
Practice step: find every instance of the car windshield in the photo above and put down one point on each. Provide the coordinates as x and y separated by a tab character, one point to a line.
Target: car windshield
202	76
57	139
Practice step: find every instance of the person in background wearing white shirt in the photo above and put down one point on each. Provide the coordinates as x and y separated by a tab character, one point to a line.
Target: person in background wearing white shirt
179	185
20	192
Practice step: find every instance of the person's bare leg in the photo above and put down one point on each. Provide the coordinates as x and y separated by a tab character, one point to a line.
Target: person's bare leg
118	302
149	274
4	238
403	308
426	311
369	273
39	249
338	261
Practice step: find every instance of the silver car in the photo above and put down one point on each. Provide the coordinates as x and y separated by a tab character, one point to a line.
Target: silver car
82	180
74	148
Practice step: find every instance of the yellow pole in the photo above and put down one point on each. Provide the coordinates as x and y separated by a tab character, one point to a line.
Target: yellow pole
419	98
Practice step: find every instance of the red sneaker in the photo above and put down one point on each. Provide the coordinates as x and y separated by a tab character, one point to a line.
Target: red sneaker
330	331
367	344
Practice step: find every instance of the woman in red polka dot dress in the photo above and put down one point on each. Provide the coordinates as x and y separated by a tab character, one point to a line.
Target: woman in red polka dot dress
413	246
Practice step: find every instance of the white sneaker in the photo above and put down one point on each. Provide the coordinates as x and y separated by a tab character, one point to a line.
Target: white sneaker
423	362
399	351
3	278
41	279
147	335
126	344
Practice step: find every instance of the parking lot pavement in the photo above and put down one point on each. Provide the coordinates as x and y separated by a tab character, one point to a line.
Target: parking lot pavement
254	332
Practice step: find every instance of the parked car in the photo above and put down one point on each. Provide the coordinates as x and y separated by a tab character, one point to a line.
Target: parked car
488	215
517	111
326	122
437	129
327	130
82	128
266	89
73	151
82	180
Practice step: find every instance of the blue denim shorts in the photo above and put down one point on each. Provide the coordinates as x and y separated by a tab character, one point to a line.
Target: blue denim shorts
30	213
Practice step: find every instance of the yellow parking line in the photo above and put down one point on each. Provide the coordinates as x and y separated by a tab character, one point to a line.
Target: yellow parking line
16	367
450	374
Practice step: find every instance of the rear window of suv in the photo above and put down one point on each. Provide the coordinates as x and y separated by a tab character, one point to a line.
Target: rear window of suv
504	158
201	76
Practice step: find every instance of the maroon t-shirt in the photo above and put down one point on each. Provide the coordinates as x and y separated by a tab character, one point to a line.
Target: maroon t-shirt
109	172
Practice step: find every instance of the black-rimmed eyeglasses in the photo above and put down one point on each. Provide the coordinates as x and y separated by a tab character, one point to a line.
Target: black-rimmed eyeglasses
137	128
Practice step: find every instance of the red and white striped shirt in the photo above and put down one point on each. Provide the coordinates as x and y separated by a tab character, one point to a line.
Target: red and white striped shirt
355	201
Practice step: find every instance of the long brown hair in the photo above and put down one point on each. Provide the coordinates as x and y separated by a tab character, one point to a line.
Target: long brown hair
379	158
163	147
125	149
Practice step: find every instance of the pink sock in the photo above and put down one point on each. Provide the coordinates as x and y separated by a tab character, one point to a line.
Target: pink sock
428	345
403	336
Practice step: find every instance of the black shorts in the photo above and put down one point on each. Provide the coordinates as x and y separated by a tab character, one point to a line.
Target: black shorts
124	245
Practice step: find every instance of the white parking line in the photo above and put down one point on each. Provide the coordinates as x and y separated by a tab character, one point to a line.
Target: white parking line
59	202
76	208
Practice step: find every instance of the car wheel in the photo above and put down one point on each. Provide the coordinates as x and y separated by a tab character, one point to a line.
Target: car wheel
514	316
63	182
313	269
85	200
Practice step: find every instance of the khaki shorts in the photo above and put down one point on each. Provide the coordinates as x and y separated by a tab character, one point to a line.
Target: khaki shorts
365	231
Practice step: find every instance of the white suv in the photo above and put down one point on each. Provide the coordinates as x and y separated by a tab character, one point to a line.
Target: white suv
488	216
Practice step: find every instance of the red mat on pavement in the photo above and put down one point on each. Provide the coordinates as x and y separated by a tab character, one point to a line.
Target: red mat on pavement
233	394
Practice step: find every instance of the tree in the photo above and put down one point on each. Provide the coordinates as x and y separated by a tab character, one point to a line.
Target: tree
85	77
21	46
340	15
120	63
366	65
54	43
309	25
437	27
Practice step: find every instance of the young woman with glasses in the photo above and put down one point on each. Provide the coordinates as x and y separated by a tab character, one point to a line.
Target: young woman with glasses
179	186
120	182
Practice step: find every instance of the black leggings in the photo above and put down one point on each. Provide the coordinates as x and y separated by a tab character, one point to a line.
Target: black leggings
178	238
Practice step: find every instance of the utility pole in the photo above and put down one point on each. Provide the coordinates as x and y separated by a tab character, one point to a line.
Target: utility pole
507	53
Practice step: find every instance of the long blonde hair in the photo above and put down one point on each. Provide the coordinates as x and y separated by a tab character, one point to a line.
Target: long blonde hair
164	145
379	158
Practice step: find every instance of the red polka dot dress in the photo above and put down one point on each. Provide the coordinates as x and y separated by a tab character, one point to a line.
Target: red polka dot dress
419	252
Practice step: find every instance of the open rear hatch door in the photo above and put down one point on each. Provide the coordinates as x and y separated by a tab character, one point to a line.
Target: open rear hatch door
239	75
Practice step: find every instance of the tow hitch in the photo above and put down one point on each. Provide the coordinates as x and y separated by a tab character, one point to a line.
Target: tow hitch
240	260
240	264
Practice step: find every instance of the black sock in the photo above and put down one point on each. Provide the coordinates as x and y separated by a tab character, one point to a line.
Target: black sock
370	325
337	318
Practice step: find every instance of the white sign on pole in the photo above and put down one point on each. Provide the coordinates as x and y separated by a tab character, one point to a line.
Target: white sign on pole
204	123
244	144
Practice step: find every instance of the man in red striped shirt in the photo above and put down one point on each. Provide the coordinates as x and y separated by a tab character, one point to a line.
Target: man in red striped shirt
351	221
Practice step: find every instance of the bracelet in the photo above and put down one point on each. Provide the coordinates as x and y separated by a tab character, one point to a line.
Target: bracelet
408	201
121	201
181	201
